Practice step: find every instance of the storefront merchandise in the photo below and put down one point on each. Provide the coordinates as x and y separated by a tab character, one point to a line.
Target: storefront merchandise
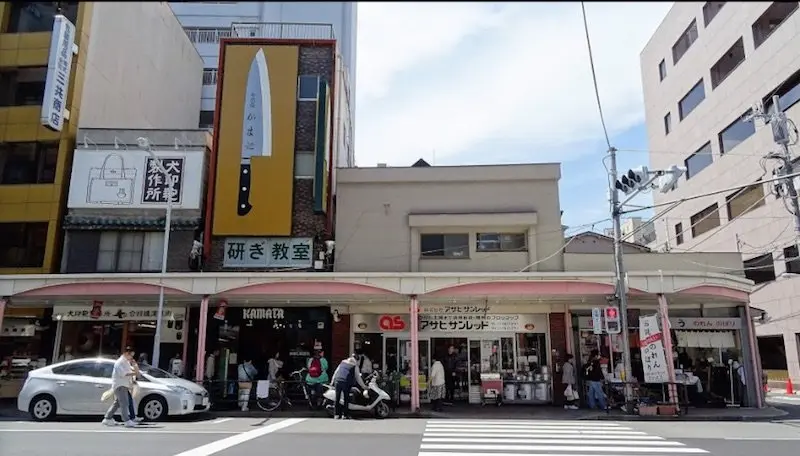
25	336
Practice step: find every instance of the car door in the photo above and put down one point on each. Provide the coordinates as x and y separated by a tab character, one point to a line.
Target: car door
101	381
75	388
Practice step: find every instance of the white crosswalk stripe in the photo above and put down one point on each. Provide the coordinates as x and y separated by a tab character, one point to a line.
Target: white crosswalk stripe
543	438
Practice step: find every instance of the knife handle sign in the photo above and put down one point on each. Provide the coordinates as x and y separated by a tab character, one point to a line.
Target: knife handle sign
244	207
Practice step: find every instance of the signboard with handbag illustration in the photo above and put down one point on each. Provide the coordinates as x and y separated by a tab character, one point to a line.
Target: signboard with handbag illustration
132	179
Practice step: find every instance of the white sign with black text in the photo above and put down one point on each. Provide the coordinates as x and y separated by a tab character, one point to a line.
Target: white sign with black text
113	312
651	341
59	66
243	252
131	179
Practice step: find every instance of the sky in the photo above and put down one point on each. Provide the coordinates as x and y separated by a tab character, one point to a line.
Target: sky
496	82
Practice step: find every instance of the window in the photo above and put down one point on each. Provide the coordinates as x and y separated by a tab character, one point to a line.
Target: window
691	100
791	257
207	35
28	163
679	233
662	70
131	251
760	269
307	88
705	220
209	76
22	86
28	17
732	58
698	161
667	123
206	119
685	41
736	133
710	10
22	245
745	200
772	18
788	93
86	369
501	242
444	245
305	165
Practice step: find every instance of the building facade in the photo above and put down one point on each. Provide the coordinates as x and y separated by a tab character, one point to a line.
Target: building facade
636	230
46	60
208	22
703	70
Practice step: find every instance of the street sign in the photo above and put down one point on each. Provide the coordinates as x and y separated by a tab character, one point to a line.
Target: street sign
597	320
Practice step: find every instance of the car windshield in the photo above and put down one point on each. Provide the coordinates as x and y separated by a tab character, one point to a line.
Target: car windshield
155	372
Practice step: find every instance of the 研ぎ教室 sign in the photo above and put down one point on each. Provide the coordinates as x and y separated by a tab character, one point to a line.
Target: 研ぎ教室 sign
132	179
59	65
269	253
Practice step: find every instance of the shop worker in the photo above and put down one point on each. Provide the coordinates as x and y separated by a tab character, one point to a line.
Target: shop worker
594	376
317	374
346	376
121	378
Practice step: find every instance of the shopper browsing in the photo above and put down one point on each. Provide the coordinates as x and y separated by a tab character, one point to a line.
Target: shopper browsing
436	391
569	382
120	383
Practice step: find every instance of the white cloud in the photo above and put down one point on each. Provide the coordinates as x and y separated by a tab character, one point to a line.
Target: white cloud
520	73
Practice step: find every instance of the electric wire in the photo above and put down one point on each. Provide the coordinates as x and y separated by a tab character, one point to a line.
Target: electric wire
594	75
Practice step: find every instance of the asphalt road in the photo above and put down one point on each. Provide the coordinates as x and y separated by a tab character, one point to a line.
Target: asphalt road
400	437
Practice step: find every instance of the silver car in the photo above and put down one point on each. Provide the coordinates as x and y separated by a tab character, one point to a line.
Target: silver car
74	388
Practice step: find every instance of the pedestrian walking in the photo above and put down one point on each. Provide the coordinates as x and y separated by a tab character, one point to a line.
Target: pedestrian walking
132	393
437	389
120	384
594	375
345	377
570	384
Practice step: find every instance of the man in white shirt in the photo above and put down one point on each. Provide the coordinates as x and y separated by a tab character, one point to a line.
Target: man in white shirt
120	383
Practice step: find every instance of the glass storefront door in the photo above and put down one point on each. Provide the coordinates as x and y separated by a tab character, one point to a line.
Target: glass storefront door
397	352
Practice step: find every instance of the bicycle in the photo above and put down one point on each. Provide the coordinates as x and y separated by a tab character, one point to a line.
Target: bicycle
277	396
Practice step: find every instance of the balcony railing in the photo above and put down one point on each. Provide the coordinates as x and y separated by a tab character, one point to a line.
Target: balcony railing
281	30
207	35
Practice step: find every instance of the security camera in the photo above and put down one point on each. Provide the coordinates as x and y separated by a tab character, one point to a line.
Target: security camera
143	142
329	245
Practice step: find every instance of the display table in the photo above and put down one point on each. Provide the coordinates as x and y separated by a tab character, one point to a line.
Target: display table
527	391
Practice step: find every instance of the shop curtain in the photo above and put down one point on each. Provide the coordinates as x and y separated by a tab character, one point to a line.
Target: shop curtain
706	339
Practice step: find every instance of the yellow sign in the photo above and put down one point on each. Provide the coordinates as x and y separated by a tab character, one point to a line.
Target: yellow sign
255	140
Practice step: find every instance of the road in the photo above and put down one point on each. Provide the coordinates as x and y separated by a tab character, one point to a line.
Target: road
400	437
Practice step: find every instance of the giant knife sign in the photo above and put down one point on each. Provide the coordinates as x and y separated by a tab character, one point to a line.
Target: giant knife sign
256	126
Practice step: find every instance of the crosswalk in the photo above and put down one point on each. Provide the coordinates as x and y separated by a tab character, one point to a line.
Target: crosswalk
543	438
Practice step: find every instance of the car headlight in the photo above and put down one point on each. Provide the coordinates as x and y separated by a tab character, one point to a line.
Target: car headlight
179	389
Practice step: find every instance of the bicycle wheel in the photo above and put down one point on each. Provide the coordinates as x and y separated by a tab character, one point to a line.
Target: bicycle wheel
273	400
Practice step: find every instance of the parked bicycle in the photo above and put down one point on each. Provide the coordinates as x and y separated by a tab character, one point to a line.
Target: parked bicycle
279	392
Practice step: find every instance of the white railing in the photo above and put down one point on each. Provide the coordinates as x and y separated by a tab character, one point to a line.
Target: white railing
209	76
207	35
280	30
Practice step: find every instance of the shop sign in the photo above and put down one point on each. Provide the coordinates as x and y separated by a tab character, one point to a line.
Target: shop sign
480	323
111	313
269	253
261	313
455	309
59	65
652	345
705	323
391	323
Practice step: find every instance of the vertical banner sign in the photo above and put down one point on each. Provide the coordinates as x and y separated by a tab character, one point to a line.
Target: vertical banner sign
651	341
156	186
59	65
597	320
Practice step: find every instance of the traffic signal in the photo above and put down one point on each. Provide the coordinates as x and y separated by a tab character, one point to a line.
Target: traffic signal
633	180
613	324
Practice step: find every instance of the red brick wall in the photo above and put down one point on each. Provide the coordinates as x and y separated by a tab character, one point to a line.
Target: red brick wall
340	341
558	342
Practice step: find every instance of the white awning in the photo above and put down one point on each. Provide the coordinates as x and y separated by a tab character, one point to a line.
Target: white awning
706	339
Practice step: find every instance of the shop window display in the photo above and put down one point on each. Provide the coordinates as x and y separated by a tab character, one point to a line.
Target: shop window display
26	337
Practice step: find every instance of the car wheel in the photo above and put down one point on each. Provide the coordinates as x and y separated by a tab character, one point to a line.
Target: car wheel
153	408
43	407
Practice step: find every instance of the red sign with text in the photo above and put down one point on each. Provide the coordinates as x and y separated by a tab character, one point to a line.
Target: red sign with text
392	323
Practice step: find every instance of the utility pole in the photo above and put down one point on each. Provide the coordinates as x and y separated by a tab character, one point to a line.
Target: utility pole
780	134
619	274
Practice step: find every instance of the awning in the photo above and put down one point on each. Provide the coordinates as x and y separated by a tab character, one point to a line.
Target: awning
706	339
128	222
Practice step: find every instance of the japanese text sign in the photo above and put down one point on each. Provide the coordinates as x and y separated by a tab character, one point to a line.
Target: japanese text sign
156	185
478	323
59	65
269	253
652	346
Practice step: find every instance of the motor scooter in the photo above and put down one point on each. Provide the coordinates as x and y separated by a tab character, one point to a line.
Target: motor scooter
375	401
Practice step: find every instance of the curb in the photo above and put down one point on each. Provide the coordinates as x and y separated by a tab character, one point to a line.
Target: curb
688	417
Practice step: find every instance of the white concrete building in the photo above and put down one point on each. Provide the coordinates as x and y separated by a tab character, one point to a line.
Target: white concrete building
207	22
636	231
706	65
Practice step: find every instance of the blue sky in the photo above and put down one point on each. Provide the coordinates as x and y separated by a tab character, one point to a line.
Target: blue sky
479	83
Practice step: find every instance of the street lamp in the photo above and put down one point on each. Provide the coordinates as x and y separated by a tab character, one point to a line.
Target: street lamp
144	144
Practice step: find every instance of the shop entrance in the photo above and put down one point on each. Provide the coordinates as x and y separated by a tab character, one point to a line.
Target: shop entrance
440	346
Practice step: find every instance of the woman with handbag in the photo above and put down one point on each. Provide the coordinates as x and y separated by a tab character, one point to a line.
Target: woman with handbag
568	379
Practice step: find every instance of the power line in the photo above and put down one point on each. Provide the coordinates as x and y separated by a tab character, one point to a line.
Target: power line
594	75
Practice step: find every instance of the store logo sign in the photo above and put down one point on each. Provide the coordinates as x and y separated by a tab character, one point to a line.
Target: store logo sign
260	313
392	323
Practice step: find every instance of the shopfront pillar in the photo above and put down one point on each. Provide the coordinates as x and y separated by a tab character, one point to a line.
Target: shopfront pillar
754	380
3	302
201	340
666	334
187	330
414	353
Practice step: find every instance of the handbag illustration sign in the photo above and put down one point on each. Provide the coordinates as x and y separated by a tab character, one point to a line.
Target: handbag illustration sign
112	183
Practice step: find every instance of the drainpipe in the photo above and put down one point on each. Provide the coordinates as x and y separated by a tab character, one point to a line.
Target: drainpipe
201	340
414	311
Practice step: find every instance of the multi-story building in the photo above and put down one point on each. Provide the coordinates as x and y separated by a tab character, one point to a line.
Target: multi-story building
65	65
635	230
206	23
703	70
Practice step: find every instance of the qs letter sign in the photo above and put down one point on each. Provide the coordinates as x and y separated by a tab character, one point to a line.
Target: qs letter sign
392	323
